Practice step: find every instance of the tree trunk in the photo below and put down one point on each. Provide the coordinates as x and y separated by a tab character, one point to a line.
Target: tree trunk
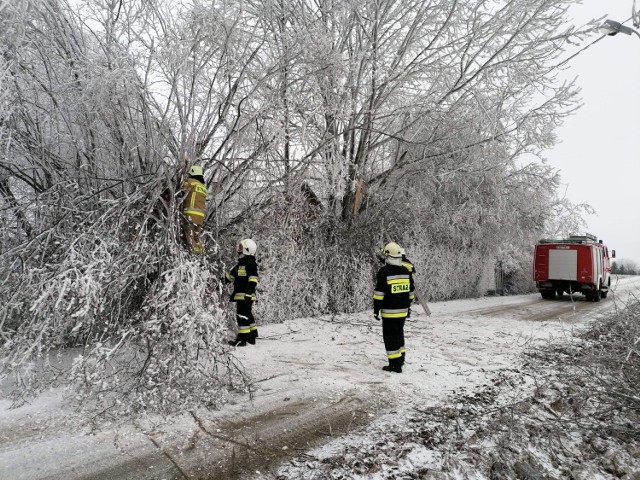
10	198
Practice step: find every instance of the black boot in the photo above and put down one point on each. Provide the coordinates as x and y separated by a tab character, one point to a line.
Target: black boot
392	368
237	343
252	337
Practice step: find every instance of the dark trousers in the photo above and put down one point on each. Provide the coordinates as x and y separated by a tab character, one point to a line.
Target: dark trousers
403	351
247	329
393	335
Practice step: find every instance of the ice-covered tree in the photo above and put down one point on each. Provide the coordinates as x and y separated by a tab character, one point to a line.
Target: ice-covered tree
325	128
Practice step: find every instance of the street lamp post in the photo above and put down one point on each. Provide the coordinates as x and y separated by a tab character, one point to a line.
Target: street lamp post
611	27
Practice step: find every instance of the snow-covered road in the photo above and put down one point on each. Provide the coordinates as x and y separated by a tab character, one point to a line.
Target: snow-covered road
312	379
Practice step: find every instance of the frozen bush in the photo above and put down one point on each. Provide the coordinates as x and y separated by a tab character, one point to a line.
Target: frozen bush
112	287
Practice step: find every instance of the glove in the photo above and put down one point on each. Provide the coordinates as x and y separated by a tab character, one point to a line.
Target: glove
376	316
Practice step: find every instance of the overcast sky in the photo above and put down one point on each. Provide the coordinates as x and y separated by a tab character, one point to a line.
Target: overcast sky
598	153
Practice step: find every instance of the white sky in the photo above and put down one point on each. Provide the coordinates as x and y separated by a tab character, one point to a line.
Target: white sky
596	156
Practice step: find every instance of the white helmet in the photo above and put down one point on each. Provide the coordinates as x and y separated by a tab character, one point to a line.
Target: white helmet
247	247
196	171
393	250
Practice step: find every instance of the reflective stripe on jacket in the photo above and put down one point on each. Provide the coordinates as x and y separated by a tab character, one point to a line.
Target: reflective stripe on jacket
245	279
195	196
392	294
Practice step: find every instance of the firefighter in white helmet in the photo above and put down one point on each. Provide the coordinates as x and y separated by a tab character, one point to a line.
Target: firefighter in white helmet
244	276
408	264
194	196
391	301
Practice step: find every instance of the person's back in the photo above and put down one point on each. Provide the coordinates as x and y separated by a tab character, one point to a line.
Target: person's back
397	289
194	197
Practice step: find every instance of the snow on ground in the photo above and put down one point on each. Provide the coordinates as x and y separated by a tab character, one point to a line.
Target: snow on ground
312	380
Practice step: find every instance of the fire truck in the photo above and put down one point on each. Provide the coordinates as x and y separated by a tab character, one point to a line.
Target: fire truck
578	264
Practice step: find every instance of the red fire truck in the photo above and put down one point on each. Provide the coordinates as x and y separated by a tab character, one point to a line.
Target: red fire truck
578	264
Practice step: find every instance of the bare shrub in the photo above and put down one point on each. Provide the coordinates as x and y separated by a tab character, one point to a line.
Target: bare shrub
606	372
111	282
309	264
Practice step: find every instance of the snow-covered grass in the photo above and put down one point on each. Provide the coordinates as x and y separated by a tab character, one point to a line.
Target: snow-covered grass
568	409
473	402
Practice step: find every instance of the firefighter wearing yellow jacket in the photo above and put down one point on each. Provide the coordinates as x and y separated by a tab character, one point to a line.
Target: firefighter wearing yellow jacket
244	276
391	301
194	196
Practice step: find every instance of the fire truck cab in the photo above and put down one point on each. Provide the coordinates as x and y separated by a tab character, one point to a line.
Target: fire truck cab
578	264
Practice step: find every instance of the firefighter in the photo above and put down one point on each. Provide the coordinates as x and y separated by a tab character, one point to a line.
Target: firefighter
194	196
245	280
391	300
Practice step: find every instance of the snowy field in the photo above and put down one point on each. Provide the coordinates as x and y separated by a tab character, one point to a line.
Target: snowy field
315	383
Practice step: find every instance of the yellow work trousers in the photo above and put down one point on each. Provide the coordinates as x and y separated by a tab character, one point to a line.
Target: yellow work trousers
192	232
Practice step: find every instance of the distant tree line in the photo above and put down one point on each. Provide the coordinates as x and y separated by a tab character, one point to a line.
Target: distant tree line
325	128
625	267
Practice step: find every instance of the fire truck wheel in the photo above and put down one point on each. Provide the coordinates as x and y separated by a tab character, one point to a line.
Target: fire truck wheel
596	296
548	294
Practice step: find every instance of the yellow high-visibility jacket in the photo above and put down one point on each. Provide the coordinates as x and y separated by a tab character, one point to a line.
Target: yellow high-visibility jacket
391	297
194	199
